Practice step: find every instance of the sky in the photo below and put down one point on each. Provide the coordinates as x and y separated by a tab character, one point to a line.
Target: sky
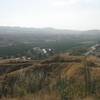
60	14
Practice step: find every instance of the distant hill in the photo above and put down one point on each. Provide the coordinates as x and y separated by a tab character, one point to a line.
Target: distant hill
16	41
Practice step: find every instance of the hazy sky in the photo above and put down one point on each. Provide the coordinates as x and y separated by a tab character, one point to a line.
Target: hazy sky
63	14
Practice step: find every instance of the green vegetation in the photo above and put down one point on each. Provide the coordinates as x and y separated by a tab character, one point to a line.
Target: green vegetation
18	41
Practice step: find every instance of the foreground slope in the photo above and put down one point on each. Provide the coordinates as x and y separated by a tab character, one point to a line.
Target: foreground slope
61	77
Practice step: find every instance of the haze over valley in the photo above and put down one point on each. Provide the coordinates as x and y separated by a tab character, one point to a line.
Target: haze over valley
18	42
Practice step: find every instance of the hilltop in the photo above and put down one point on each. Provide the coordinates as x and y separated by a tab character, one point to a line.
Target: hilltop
61	77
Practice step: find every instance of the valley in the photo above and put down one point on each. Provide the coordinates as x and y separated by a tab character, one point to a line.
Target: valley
20	42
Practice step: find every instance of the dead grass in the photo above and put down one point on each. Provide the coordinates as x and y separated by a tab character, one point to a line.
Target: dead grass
73	70
53	69
43	95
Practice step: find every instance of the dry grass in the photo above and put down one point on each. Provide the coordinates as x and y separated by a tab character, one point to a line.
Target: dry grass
43	95
72	71
49	73
90	98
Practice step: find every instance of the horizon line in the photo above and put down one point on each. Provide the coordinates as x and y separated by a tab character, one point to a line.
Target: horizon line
64	29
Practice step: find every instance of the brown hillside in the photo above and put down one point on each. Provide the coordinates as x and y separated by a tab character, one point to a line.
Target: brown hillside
70	77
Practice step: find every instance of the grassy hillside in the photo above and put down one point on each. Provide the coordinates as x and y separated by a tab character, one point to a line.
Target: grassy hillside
60	77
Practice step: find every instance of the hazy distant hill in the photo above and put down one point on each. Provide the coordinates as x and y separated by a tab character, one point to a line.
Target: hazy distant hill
16	40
